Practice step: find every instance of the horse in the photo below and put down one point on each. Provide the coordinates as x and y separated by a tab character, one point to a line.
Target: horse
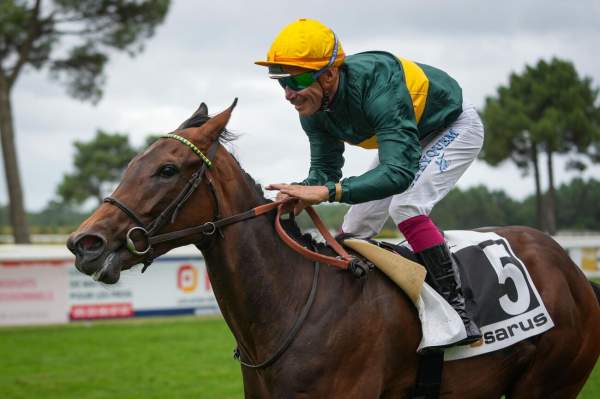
358	338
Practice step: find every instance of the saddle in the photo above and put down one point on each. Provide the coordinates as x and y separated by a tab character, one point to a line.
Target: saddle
395	261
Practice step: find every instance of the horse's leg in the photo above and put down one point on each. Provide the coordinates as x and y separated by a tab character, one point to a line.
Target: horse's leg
486	376
565	357
549	378
566	354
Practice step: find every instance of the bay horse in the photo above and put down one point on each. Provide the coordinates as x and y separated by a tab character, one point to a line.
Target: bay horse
359	338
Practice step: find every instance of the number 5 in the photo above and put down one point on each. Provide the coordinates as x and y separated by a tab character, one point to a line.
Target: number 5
505	266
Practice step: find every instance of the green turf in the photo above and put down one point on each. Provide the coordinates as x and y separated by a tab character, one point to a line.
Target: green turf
164	358
147	358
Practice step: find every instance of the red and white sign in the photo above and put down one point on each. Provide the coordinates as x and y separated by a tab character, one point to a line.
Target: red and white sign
33	293
39	284
101	311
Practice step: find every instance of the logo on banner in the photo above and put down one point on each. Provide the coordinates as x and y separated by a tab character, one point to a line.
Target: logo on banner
187	278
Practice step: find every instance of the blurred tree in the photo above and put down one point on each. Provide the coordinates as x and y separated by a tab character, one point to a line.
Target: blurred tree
98	162
57	217
478	207
578	205
331	214
546	109
150	139
32	35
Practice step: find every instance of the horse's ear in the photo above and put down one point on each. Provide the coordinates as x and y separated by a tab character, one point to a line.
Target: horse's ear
215	125
201	112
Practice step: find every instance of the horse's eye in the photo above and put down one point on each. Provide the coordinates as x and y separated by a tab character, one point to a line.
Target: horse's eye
168	170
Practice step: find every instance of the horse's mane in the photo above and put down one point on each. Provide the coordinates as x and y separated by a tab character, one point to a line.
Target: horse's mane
290	225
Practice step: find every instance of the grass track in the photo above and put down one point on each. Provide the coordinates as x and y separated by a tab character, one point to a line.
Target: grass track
147	358
153	358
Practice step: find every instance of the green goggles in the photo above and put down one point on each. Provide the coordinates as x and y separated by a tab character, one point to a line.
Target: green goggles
299	82
305	79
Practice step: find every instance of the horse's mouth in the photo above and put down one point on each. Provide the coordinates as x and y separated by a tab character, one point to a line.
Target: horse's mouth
100	258
110	271
112	264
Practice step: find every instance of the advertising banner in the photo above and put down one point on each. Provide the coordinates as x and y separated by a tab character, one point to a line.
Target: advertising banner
33	292
172	285
40	285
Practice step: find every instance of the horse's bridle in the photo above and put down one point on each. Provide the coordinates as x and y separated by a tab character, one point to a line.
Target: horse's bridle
149	231
208	229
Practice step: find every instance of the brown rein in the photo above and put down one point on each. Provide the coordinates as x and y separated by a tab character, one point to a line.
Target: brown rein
343	260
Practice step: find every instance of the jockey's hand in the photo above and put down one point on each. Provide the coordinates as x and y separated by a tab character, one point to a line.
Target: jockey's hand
289	206
307	195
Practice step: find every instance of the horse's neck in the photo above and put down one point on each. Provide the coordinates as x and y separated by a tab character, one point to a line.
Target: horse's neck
259	283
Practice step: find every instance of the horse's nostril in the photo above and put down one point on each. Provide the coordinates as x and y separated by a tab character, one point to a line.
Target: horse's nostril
89	243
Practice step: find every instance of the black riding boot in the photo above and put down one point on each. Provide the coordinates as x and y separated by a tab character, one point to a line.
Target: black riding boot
446	281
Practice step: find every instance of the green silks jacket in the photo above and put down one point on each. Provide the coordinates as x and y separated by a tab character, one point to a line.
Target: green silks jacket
382	102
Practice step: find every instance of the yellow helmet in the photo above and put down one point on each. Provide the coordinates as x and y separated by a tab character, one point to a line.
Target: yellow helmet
305	43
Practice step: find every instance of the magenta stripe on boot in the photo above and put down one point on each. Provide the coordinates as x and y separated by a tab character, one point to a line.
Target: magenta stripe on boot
421	233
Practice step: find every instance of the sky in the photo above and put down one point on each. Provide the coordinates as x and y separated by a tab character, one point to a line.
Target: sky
206	53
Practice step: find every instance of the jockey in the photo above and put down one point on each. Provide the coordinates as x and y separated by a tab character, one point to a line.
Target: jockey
415	117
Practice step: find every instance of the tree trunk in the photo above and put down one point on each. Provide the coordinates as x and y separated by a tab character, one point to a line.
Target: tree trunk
539	204
15	193
550	200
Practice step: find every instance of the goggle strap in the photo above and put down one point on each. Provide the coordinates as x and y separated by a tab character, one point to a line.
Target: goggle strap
331	59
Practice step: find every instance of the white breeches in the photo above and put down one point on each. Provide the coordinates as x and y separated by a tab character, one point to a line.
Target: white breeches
442	163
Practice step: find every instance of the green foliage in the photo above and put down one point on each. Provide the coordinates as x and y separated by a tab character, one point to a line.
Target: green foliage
546	109
331	214
4	215
578	205
81	72
31	34
98	162
25	36
56	218
474	207
56	215
150	139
